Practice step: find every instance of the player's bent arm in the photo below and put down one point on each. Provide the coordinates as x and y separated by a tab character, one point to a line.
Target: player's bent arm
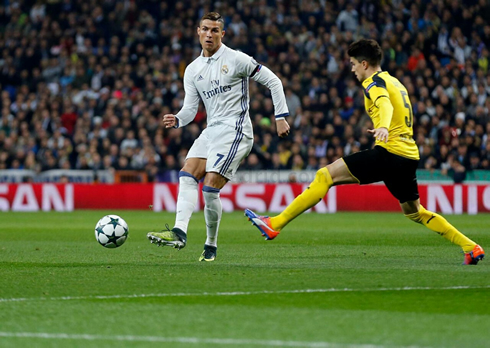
385	111
191	101
188	111
267	78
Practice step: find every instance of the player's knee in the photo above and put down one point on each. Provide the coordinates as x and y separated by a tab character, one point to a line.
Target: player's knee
323	176
418	216
415	217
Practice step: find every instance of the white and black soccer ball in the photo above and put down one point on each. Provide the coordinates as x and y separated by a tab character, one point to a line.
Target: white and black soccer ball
111	231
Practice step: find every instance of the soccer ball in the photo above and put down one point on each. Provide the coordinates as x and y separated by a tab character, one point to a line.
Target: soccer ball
111	231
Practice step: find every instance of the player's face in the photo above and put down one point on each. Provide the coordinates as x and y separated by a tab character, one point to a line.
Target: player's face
210	35
358	68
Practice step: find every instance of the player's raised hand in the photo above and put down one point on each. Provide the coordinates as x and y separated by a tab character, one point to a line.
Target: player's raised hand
380	134
169	120
282	127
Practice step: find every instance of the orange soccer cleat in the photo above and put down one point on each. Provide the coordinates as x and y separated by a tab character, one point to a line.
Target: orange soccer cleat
263	223
474	256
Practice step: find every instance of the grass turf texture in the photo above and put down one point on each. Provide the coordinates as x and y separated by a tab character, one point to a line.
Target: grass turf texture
47	256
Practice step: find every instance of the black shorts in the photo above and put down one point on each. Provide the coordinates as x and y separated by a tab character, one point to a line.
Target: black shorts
397	172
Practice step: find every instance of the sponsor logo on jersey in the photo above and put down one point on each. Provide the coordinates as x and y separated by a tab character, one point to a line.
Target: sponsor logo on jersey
224	69
200	78
217	89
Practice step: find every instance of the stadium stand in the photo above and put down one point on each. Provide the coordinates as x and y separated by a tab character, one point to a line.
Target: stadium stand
84	84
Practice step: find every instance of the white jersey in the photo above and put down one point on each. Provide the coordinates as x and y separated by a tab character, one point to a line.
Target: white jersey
221	82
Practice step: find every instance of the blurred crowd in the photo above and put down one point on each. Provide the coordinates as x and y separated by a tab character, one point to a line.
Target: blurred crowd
85	83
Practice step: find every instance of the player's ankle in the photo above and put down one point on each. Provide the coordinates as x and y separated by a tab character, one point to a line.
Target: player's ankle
277	223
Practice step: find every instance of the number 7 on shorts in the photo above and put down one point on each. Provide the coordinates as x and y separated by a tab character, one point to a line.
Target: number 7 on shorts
220	157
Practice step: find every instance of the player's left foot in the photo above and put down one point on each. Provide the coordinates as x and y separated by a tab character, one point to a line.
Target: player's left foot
263	223
472	258
209	253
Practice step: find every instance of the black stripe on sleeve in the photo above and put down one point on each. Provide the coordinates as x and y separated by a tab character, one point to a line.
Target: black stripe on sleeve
257	68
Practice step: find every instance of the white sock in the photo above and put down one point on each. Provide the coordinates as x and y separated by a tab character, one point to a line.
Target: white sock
212	214
186	201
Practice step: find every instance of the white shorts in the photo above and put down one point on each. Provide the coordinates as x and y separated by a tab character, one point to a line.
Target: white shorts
223	148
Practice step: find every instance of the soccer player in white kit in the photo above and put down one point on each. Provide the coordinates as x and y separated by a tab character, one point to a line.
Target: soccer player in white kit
219	77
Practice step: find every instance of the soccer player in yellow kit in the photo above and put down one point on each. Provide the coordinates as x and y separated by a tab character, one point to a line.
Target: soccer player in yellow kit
393	160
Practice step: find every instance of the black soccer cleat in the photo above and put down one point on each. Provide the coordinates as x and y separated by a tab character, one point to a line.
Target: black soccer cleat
209	253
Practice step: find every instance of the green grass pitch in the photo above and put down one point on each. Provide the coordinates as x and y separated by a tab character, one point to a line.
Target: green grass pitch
338	280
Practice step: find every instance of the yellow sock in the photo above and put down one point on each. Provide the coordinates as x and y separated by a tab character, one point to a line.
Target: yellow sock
310	197
438	224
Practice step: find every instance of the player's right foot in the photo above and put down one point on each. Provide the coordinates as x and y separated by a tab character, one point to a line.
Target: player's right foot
263	223
475	255
174	237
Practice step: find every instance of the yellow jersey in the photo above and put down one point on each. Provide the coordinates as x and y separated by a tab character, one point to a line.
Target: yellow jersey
399	124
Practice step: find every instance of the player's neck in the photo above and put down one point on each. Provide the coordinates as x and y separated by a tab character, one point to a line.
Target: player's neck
208	54
371	71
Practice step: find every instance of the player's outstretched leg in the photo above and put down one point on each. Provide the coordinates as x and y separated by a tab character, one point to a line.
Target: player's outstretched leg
209	253
263	223
270	226
174	237
437	223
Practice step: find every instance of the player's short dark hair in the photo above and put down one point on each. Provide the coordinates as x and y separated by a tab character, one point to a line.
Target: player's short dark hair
366	49
213	16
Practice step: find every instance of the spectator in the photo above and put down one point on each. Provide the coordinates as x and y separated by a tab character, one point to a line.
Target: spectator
348	19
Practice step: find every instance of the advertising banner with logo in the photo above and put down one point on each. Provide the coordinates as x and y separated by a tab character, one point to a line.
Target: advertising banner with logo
448	199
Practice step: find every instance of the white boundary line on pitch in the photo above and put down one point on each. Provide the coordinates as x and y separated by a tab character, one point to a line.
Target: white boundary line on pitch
193	340
239	293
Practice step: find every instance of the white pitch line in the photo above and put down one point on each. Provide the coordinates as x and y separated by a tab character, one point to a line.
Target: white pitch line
193	340
240	293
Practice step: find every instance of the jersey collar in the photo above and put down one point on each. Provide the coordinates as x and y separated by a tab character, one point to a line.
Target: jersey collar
374	74
216	55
